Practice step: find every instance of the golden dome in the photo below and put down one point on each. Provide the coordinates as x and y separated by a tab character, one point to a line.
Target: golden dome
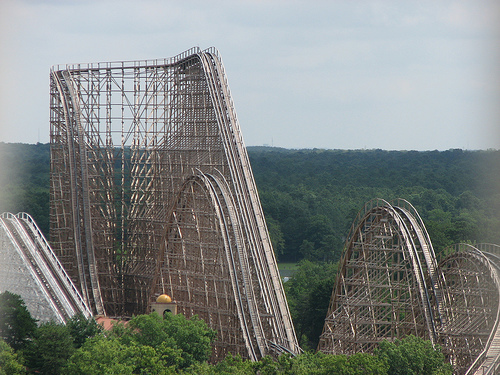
164	298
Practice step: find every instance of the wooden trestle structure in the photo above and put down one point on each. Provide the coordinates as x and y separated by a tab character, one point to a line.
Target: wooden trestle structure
390	285
152	192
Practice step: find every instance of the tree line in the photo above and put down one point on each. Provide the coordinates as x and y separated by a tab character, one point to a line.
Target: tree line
24	181
150	344
311	197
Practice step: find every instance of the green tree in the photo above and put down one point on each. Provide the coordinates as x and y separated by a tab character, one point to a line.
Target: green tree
16	324
10	363
276	236
308	251
233	365
51	347
439	226
191	336
308	293
24	181
325	364
321	364
82	328
413	356
148	344
108	355
296	186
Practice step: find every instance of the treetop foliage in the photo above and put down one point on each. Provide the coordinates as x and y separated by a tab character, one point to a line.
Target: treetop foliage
413	356
10	363
17	326
149	344
24	181
308	293
311	197
50	349
191	337
146	344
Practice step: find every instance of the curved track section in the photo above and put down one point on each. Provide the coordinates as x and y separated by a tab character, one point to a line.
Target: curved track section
390	285
208	267
471	334
141	151
30	269
384	288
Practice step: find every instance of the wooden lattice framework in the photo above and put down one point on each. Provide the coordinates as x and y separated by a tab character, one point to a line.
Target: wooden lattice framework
471	296
152	192
386	282
390	285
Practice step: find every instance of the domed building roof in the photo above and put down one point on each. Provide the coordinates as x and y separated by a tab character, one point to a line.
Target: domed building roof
164	298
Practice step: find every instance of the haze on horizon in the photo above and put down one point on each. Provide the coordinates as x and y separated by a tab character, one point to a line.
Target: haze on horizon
413	75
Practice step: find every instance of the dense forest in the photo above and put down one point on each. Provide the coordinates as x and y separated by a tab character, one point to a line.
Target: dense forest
150	344
310	199
24	181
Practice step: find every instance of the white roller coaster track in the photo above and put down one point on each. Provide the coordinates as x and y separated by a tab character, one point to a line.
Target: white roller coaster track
39	259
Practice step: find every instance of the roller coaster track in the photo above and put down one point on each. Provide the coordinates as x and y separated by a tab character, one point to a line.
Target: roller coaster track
487	257
54	285
79	175
390	285
152	192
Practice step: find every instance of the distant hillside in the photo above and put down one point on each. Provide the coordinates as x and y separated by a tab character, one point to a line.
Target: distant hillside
24	180
311	197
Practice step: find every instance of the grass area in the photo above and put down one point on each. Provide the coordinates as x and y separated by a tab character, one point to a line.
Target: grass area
287	269
288	266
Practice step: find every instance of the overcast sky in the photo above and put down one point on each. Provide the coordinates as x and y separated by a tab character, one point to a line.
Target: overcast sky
398	75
